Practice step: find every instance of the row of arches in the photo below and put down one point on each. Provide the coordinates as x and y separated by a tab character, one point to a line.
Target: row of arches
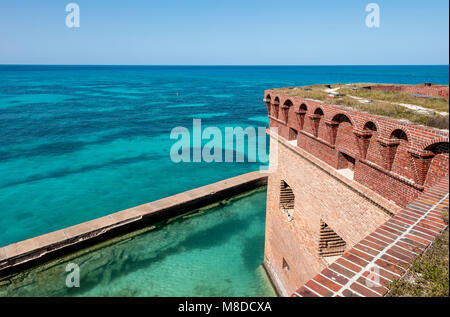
393	143
317	114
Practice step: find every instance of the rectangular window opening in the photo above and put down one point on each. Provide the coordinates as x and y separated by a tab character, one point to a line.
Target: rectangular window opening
330	243
287	200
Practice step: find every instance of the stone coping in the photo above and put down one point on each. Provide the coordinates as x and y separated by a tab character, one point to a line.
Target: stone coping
16	256
388	206
385	255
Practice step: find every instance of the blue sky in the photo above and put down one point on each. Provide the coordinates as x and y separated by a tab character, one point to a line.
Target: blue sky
224	32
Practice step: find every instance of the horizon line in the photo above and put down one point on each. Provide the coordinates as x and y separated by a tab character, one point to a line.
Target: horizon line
226	65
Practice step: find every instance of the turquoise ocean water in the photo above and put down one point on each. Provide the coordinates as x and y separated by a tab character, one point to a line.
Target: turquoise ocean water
80	142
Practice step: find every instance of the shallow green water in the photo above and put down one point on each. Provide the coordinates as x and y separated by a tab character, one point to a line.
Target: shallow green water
217	252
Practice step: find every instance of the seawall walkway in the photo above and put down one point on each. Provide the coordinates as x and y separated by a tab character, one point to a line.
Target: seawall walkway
23	254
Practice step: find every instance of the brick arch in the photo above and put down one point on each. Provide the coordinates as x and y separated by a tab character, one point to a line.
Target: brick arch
438	148
268	97
370	125
367	141
435	141
402	128
316	121
401	163
301	111
340	130
284	111
342	117
335	125
275	107
318	110
437	165
399	134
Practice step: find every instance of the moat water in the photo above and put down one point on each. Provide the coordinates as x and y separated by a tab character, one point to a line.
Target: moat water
77	143
216	252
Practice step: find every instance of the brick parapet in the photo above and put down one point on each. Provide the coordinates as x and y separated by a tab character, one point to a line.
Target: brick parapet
394	158
321	193
385	204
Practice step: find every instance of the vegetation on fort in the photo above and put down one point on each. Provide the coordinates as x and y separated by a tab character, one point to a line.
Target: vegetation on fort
383	103
429	274
436	103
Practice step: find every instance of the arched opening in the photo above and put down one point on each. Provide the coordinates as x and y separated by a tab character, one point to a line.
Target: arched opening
398	155
341	135
285	110
438	168
288	103
315	121
339	130
301	115
438	148
339	118
399	134
276	106
365	141
318	111
370	126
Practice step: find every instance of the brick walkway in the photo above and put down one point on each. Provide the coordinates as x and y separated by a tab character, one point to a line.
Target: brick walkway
384	255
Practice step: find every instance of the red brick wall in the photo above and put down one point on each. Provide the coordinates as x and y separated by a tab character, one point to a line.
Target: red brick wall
403	181
345	140
417	163
438	169
388	187
401	164
370	267
439	164
373	152
318	196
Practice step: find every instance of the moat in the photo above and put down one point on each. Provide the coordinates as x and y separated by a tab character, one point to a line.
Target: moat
217	252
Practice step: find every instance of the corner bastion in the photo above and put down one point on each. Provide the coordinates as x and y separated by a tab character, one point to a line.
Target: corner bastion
352	192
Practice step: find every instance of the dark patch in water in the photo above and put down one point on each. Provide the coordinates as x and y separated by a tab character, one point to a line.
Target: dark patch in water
119	262
63	173
252	252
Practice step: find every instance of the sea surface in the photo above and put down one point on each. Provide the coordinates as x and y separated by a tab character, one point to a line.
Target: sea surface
80	142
